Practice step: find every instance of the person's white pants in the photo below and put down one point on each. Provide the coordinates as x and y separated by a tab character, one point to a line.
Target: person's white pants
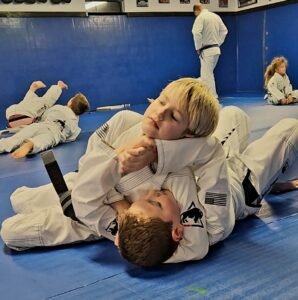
208	64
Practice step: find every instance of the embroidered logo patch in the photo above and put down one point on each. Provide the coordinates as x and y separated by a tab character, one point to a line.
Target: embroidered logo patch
216	199
192	217
113	227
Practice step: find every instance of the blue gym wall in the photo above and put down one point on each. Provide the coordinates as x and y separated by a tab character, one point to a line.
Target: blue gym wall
261	36
120	59
112	59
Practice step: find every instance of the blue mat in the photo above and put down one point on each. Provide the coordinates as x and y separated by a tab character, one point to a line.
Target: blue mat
258	261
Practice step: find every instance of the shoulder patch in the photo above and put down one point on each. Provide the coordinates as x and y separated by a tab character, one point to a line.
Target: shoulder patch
192	217
113	227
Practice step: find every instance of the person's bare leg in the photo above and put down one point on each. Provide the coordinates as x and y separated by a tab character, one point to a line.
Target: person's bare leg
62	85
283	187
23	150
37	85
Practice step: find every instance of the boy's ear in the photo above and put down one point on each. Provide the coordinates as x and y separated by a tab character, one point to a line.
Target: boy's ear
116	241
188	134
177	232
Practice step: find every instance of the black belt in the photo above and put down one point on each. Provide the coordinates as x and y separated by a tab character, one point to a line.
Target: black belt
208	46
59	184
252	198
61	123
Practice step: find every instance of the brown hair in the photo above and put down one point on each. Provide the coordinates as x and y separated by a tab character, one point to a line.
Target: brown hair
271	69
145	242
79	104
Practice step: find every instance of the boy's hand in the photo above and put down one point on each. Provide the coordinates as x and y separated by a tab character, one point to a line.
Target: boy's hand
142	141
284	101
290	99
135	159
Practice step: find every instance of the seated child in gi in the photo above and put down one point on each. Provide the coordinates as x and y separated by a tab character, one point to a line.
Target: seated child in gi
59	124
277	83
31	108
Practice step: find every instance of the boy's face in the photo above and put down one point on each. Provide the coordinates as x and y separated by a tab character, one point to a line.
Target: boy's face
157	204
164	119
162	205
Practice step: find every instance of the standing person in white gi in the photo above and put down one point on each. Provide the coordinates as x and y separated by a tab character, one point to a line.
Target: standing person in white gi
209	33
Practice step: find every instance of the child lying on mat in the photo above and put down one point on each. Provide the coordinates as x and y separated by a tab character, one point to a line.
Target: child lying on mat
32	107
180	219
204	222
59	124
185	108
277	83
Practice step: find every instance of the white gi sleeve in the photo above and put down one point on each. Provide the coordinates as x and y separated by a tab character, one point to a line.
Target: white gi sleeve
273	89
197	32
288	87
195	242
112	129
94	187
207	159
223	31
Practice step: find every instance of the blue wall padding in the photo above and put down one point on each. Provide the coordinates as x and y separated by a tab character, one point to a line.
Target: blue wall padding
112	59
120	59
282	27
256	49
250	52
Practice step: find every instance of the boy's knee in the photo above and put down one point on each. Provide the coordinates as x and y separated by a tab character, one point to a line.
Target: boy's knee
10	234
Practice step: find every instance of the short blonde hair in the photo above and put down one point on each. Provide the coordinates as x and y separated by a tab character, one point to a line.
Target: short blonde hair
145	242
201	106
79	104
271	69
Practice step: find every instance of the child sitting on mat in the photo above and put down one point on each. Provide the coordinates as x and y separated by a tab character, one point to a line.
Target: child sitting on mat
277	83
32	107
59	124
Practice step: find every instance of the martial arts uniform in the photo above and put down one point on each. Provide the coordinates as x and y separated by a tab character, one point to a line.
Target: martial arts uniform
59	124
209	33
278	88
33	106
220	191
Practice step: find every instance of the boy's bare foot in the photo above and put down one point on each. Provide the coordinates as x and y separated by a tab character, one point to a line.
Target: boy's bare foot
62	85
283	187
22	151
35	85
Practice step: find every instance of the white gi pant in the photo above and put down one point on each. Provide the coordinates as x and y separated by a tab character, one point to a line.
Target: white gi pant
271	99
208	64
43	135
34	106
40	223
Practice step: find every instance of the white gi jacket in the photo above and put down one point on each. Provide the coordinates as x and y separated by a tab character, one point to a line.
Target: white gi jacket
65	119
209	29
279	87
207	220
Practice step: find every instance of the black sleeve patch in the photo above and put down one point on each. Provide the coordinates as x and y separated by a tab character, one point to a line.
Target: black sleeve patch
216	199
192	217
113	227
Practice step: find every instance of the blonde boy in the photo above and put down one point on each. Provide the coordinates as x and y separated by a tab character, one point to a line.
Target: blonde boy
185	108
